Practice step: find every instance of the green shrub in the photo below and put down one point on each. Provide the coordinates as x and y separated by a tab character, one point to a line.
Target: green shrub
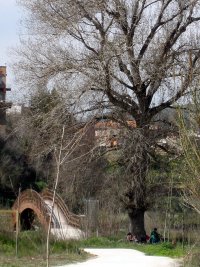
70	246
7	243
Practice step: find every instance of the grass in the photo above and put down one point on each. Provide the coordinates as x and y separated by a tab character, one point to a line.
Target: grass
162	249
32	251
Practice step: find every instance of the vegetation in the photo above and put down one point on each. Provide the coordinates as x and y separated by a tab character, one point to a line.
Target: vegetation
162	249
115	72
32	251
125	57
16	171
189	136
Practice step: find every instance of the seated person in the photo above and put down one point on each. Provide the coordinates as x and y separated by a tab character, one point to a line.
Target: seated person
147	238
131	238
154	237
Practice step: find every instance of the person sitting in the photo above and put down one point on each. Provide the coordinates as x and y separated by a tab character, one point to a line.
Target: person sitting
147	238
154	237
143	239
134	238
131	238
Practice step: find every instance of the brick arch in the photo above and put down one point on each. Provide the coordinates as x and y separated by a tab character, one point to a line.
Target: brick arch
30	199
70	218
37	202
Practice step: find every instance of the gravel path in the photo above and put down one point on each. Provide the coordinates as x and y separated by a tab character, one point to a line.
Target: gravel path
124	258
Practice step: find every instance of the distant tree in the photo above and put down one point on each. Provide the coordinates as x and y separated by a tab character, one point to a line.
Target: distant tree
16	171
135	57
41	127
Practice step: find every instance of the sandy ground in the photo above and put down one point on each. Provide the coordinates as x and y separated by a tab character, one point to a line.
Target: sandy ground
124	258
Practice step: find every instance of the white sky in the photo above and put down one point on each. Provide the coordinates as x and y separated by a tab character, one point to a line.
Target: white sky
10	15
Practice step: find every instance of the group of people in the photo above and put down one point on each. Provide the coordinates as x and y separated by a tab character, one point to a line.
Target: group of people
152	239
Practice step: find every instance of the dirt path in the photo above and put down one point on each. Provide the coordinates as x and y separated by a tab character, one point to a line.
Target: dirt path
124	258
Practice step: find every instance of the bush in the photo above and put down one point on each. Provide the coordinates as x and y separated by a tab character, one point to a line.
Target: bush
7	243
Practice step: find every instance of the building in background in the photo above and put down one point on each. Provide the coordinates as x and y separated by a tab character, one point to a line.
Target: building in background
16	109
3	104
107	132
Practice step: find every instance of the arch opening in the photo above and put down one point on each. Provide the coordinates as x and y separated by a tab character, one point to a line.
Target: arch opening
27	220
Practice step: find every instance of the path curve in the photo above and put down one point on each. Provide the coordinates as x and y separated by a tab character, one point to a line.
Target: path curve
124	258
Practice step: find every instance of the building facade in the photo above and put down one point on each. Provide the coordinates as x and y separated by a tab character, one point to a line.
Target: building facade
107	132
4	105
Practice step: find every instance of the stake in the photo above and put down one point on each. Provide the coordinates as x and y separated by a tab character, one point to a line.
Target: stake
17	223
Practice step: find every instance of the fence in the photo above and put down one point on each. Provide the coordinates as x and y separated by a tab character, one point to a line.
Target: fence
92	213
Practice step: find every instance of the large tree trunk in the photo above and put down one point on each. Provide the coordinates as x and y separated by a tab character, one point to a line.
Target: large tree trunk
136	200
137	228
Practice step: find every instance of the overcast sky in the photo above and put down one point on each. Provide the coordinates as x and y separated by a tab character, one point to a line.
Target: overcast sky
10	16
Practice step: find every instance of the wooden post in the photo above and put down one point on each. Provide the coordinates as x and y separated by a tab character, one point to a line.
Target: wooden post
17	223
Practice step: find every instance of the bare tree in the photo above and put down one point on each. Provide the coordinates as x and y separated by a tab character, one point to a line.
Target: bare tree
189	133
137	57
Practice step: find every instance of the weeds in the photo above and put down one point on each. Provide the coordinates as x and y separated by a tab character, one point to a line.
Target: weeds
32	250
